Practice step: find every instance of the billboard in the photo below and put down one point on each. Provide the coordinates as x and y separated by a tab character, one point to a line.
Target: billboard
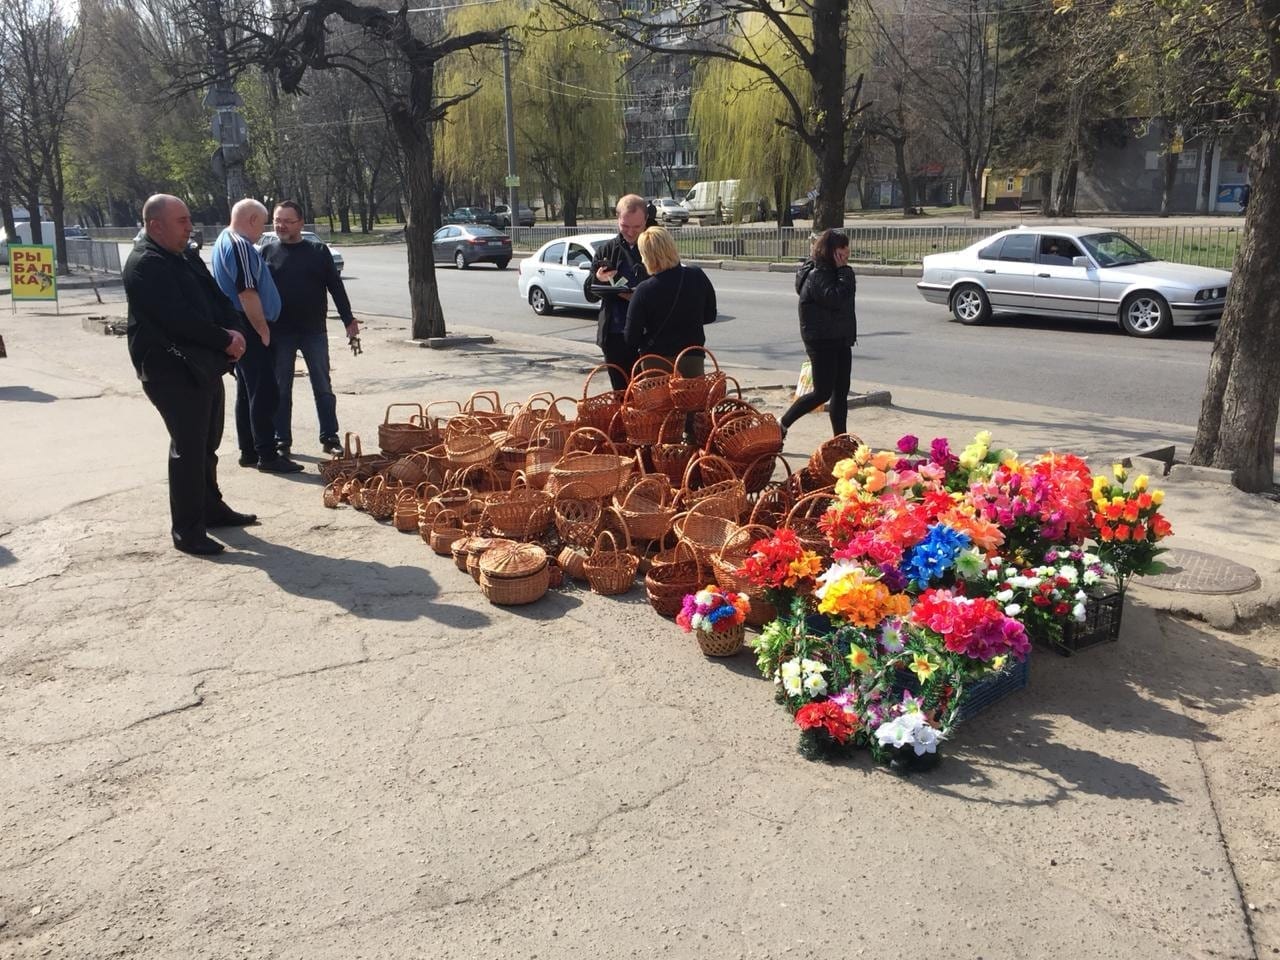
31	272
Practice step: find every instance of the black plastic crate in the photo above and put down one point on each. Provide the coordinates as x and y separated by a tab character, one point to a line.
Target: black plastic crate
995	687
1101	625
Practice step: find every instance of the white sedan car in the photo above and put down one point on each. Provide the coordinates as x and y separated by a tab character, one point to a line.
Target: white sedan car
1084	272
554	276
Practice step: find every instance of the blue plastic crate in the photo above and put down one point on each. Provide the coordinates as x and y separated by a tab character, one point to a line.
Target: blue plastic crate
991	689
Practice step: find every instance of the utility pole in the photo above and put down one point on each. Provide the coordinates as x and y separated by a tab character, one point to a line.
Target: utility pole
513	181
229	128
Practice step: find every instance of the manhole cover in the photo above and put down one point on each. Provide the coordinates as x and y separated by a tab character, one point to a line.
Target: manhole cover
1191	571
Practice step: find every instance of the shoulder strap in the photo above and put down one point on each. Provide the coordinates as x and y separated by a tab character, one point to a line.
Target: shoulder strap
674	300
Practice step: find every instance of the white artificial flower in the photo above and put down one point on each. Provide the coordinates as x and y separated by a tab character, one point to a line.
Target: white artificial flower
813	666
1010	571
792	686
1090	578
894	733
1013	609
1078	612
924	739
815	684
1070	574
1004	596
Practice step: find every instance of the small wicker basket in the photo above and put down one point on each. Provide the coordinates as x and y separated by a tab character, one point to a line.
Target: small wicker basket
610	570
721	643
446	527
513	574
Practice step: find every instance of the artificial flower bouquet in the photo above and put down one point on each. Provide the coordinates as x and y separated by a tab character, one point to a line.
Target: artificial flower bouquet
942	566
716	617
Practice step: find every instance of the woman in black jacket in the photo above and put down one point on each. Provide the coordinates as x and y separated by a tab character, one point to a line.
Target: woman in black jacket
828	327
668	310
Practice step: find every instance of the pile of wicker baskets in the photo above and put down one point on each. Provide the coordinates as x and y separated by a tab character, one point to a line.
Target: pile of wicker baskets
671	479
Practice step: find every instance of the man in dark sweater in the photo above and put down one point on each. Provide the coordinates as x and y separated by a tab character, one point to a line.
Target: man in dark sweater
306	277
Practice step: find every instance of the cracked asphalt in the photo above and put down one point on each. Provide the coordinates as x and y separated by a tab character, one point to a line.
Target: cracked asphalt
326	744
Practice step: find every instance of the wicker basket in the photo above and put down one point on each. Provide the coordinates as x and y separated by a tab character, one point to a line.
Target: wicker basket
446	527
577	514
458	550
667	583
642	422
650	384
645	503
758	473
571	560
334	492
539	407
397	439
772	504
697	393
515	574
599	410
725	565
351	462
485	407
610	570
709	476
830	452
721	643
520	514
404	517
746	436
670	455
480	478
380	498
706	528
804	520
546	447
602	473
410	469
476	549
467	442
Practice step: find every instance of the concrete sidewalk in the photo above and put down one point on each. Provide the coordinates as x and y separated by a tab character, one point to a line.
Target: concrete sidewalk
326	744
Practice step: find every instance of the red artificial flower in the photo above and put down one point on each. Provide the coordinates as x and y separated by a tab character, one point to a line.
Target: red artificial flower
828	716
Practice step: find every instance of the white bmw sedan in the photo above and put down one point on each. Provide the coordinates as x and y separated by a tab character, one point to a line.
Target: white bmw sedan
554	276
1084	272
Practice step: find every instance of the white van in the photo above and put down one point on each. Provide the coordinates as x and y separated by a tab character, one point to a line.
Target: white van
701	201
23	230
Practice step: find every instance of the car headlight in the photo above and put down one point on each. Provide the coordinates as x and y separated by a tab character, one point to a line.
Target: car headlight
1214	293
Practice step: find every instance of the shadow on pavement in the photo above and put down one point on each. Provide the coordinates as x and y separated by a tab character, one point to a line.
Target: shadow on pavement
24	394
365	588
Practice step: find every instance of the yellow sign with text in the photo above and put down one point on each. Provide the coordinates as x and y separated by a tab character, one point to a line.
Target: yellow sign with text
31	273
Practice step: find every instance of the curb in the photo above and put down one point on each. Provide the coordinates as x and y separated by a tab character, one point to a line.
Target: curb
111	280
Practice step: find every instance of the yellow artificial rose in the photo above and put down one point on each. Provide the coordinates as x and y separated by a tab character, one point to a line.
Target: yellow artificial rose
1157	497
1140	482
1118	470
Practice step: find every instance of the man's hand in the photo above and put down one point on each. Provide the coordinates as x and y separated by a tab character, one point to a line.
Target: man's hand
235	349
606	274
353	328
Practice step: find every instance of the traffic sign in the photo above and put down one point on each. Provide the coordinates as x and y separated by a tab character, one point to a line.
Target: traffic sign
218	98
512	181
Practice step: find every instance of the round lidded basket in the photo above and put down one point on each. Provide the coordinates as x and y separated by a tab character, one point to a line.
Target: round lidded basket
476	548
721	643
458	550
515	573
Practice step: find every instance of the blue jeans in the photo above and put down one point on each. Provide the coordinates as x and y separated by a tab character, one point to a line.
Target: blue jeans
315	354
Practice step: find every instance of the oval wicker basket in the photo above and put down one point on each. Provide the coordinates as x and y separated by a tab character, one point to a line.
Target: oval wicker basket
610	571
599	410
446	527
645	503
745	437
666	584
697	393
397	439
721	643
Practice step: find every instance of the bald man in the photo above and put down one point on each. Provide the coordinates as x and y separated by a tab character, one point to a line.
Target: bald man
182	340
243	277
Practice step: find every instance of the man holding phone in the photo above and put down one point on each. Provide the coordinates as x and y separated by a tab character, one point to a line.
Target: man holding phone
618	265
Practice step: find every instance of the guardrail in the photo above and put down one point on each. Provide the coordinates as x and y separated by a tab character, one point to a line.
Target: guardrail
101	255
209	231
1206	246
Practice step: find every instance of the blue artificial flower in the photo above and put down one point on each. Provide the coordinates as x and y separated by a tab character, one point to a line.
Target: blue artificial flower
935	554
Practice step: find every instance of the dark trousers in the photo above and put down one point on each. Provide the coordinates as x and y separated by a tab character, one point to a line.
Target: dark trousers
193	415
617	352
257	396
832	362
315	353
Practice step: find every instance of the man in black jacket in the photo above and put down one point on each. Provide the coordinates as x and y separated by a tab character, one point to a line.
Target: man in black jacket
618	263
306	277
182	340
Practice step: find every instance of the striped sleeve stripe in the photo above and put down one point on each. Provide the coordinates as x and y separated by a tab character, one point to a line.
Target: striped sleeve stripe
244	253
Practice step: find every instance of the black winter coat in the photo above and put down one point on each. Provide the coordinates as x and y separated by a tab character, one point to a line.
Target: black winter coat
668	311
615	254
826	302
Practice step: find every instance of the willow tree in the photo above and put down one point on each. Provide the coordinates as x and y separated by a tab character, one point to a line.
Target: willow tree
742	123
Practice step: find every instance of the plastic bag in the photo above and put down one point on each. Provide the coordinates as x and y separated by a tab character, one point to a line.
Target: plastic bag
804	385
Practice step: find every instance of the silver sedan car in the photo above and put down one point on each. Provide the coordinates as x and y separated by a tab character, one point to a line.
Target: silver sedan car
1084	272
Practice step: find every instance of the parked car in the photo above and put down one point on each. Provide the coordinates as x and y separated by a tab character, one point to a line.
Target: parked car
465	244
75	233
554	276
670	211
503	213
473	215
802	209
1084	272
338	261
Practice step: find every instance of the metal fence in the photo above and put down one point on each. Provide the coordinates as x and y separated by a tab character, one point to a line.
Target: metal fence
103	255
209	231
1208	246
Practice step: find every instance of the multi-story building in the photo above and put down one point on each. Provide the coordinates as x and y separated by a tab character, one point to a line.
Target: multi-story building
660	143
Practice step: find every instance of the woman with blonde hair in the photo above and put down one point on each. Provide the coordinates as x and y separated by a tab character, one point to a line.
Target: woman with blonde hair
668	311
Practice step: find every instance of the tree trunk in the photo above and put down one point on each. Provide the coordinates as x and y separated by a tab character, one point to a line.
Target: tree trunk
57	204
570	207
34	217
974	177
417	150
904	176
1064	189
1169	171
6	212
830	52
1208	149
1237	428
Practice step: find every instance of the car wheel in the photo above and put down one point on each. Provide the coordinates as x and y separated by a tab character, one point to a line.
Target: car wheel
1145	315
460	260
538	300
501	264
969	304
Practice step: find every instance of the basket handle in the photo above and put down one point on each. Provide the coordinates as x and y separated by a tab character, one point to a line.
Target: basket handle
446	514
710	460
737	387
673	416
586	432
649	374
392	406
701	349
519	481
553	411
622	525
423	491
648	480
489	396
346	446
636	369
594	370
753	532
795	512
596	549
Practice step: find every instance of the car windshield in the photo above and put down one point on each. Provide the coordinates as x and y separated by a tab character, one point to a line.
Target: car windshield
1114	250
483	231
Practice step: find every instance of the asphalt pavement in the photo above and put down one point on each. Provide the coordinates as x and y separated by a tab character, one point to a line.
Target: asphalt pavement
326	744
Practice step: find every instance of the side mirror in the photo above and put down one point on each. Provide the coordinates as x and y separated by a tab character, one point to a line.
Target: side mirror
582	265
1080	262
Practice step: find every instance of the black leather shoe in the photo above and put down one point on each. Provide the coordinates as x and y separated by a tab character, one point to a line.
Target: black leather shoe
200	546
248	459
331	445
280	465
283	450
226	517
